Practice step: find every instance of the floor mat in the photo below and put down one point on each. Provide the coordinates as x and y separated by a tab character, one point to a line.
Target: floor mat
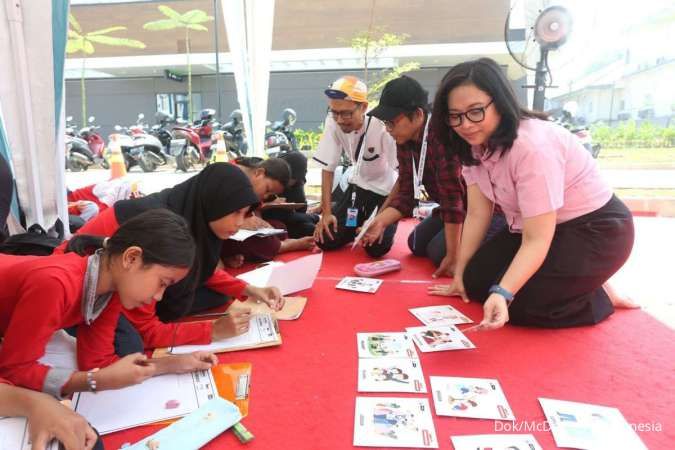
303	392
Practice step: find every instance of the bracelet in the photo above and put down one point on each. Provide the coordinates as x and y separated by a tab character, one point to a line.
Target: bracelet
91	382
497	289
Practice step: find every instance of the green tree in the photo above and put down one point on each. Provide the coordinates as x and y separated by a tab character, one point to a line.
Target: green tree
191	20
79	41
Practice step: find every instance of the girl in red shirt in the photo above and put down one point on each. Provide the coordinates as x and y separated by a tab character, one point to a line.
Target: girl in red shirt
41	295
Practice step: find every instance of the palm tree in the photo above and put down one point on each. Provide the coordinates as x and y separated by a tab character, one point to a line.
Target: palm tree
191	20
78	41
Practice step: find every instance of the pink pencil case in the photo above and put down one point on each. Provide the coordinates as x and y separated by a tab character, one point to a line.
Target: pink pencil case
377	268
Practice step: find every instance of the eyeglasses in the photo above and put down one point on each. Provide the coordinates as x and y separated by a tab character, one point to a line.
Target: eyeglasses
346	114
391	124
474	115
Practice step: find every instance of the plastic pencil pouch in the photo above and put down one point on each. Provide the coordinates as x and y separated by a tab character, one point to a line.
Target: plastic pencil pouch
377	268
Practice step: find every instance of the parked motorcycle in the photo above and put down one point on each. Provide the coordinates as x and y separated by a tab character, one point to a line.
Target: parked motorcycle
199	144
234	134
78	155
138	147
95	142
581	131
280	135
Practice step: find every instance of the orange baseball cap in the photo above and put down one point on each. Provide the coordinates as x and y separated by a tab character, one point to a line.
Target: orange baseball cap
348	88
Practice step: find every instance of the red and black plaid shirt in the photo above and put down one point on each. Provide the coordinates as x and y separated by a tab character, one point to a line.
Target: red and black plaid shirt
442	180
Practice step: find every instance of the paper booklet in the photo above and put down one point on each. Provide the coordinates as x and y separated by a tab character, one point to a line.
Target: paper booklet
156	399
15	435
478	398
495	441
439	315
364	228
293	308
291	277
385	345
242	234
393	422
439	338
587	426
391	375
165	398
359	284
263	332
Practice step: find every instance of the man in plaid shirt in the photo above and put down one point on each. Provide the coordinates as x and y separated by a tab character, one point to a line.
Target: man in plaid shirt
404	110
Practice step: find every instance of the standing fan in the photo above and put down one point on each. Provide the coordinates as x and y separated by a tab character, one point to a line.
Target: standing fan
551	29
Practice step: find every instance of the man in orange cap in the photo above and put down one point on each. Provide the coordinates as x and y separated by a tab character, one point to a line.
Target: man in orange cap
372	152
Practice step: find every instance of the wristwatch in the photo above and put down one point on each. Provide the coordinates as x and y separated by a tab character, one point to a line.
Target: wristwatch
497	289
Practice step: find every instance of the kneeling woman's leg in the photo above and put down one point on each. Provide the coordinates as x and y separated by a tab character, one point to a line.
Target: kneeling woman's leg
567	289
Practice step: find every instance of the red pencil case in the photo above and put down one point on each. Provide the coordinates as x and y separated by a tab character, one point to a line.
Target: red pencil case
377	268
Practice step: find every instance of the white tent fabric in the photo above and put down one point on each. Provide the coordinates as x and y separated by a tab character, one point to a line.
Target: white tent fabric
249	33
32	104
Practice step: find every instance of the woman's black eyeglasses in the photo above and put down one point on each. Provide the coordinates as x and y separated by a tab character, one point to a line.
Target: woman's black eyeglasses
474	115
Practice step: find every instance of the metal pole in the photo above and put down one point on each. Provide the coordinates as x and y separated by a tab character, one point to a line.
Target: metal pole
215	32
540	83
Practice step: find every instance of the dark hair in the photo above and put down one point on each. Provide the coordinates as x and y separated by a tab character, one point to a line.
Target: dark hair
487	76
163	236
275	168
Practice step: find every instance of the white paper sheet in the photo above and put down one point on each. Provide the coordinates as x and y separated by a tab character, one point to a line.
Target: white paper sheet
439	315
393	422
242	235
261	330
587	426
14	435
290	277
391	375
385	345
479	398
439	338
364	228
495	442
158	398
359	284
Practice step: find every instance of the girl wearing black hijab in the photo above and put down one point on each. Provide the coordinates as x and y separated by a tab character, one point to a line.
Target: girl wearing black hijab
214	203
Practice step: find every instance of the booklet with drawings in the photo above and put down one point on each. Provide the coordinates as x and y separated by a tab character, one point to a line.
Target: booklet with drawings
165	397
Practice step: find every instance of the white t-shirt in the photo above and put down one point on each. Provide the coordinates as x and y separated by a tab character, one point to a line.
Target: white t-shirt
378	168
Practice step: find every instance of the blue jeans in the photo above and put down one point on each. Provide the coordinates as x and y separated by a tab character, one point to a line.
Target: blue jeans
428	237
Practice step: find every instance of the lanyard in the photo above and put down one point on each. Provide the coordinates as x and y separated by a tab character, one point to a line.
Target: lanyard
359	151
418	173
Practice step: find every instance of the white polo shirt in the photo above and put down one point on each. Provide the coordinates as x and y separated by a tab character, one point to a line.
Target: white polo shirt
378	168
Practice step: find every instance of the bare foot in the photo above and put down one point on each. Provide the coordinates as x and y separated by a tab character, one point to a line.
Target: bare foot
292	245
234	261
618	299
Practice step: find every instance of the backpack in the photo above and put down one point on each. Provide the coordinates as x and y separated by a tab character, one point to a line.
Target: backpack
36	241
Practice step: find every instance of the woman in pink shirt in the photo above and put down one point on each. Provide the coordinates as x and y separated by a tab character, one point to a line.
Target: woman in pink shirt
567	233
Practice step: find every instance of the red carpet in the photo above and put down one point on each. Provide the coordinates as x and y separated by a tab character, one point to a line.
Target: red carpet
302	393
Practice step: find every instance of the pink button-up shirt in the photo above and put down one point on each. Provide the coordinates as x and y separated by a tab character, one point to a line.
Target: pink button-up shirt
547	169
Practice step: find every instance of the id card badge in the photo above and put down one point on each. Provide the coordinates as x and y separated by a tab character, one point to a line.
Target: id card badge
352	217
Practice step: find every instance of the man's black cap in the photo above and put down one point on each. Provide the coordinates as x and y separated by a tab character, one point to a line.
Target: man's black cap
401	95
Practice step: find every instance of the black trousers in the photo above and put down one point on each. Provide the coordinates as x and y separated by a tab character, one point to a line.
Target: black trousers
567	289
298	224
427	239
365	202
128	340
